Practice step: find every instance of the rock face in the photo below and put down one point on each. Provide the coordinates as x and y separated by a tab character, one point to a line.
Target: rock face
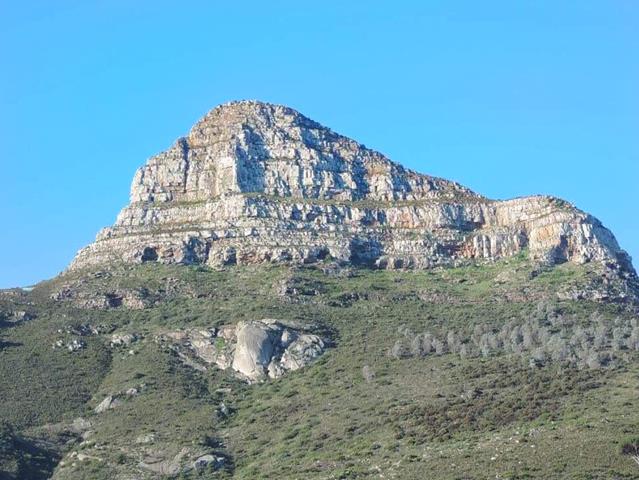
255	345
254	349
254	182
269	348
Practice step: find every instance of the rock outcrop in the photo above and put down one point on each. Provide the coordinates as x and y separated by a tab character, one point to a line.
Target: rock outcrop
254	350
108	403
270	348
254	182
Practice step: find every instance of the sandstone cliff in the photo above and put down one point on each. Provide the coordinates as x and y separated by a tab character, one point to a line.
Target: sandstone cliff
254	182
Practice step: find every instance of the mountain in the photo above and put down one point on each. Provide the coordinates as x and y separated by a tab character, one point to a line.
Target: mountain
279	301
254	183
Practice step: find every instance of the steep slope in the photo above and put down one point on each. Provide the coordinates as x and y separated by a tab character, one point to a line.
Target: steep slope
254	182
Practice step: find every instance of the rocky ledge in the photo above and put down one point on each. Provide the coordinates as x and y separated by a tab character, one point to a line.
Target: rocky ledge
254	182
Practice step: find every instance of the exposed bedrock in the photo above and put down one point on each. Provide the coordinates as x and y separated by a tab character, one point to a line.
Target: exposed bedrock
254	182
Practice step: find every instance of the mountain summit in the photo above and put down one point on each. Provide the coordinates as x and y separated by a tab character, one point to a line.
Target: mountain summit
254	182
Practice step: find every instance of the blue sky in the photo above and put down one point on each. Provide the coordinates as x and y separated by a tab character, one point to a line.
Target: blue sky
508	98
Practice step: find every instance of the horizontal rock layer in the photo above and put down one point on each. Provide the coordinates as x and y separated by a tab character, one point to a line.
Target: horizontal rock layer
255	182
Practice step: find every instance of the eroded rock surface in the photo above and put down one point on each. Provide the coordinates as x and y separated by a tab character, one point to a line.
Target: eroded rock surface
269	348
255	349
256	342
254	182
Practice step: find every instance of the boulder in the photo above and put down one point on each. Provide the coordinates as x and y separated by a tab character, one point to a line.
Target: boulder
108	403
256	342
272	348
254	349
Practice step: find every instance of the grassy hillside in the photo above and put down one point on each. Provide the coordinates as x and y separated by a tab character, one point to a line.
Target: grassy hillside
505	370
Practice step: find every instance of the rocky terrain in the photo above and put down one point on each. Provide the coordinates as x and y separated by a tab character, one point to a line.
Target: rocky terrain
255	350
279	301
257	183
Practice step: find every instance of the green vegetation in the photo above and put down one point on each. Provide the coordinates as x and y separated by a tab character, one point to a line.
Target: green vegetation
542	337
363	410
22	458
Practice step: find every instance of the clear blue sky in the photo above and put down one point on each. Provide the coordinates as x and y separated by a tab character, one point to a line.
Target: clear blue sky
507	97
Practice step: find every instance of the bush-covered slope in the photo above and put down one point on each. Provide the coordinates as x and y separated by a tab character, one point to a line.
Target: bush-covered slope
506	370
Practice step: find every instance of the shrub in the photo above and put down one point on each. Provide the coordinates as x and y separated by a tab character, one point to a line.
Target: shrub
593	344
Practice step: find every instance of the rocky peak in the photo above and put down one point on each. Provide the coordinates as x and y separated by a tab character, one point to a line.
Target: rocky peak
254	182
255	147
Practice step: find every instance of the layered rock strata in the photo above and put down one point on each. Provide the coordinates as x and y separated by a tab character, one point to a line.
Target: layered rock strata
254	182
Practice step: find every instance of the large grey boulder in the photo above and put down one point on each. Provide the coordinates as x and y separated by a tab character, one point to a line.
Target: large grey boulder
256	342
272	348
